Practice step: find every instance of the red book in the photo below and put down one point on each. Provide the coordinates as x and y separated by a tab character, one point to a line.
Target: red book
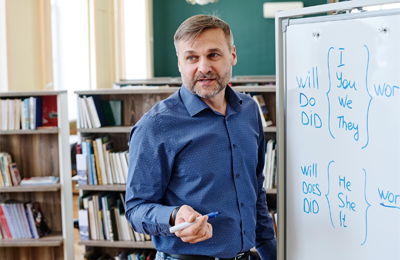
49	109
3	224
78	149
16	177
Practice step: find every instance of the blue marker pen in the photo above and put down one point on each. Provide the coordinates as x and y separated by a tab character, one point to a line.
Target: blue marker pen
187	224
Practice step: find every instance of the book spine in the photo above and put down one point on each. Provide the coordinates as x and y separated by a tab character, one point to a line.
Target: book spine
83	224
4	225
81	168
39	112
10	223
89	160
94	171
27	113
101	160
32	220
32	113
97	162
23	115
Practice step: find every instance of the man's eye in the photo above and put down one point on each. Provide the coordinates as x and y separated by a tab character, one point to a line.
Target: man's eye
213	55
191	58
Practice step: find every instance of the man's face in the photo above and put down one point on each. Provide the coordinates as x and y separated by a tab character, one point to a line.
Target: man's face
206	63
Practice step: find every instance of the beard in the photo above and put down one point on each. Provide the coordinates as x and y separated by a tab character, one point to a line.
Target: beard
209	91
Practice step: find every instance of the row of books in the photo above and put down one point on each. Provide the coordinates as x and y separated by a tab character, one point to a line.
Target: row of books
134	254
29	113
262	106
95	113
9	174
102	217
270	181
21	220
98	164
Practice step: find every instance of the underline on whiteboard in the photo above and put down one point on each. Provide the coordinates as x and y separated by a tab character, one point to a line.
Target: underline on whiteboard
392	207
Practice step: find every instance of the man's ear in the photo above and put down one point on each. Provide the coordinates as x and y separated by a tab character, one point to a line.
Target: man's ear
234	60
179	63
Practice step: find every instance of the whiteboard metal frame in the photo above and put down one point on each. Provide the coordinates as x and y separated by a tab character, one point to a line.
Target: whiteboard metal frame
281	21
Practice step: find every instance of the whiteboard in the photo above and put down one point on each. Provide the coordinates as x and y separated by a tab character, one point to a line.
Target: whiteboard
342	129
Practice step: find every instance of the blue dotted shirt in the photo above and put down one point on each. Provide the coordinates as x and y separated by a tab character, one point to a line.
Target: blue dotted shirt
184	153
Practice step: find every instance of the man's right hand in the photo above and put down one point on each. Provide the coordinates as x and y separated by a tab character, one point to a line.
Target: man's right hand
200	231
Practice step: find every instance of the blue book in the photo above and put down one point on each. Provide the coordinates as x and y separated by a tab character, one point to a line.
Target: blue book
14	221
39	112
86	151
26	109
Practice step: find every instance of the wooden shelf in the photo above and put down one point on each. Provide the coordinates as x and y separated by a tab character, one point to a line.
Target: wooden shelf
32	188
270	129
270	88
36	93
107	129
119	244
54	239
178	80
127	129
128	90
26	132
271	191
113	187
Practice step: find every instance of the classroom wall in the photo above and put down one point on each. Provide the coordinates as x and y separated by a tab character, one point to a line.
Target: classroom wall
254	35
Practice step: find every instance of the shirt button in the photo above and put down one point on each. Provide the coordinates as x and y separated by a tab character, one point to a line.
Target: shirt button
241	204
244	232
234	146
237	175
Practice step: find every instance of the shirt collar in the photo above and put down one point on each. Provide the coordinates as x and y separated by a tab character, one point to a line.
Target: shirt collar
195	105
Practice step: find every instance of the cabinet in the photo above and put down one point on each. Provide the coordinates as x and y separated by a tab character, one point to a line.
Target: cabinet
42	153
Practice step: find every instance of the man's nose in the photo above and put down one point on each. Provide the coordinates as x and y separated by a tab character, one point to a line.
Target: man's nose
204	66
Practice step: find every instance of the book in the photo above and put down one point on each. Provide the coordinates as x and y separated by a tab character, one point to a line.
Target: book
4	225
93	112
103	171
15	176
23	115
86	152
11	114
5	161
32	222
97	163
81	168
32	113
17	114
107	147
92	221
4	114
27	113
83	216
40	180
49	111
112	112
86	115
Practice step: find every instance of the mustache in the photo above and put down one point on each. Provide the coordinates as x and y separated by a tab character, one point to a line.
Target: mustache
207	75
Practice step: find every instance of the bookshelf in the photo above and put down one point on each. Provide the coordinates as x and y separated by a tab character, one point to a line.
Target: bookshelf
135	103
42	153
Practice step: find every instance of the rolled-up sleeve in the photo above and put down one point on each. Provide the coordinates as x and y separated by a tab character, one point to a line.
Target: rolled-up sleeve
150	164
265	234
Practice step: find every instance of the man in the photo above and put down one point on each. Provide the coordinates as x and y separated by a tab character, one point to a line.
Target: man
199	151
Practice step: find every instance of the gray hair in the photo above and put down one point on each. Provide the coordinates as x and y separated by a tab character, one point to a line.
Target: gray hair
192	27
